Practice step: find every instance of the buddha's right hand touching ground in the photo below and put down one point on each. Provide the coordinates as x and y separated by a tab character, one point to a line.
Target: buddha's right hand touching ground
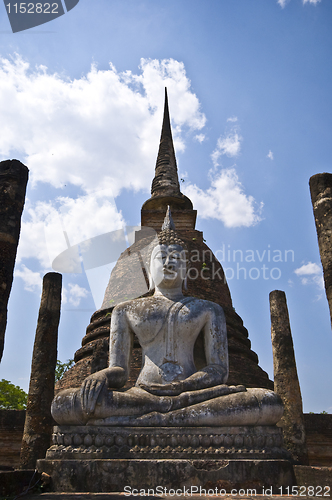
92	386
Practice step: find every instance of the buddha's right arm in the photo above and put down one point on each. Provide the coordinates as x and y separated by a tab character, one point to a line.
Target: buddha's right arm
92	386
116	375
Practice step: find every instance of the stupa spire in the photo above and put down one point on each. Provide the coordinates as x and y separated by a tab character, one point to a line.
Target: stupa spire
166	180
165	188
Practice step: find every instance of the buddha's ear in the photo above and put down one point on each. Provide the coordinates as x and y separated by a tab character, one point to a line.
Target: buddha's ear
151	282
185	284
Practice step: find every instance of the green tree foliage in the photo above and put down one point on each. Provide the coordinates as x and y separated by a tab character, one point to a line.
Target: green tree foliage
12	397
61	368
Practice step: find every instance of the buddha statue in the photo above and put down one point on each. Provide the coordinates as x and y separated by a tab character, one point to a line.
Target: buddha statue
169	390
180	424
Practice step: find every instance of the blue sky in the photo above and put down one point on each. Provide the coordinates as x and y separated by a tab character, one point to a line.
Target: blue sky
249	83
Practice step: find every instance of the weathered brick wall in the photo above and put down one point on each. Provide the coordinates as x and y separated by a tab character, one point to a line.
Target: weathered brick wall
184	220
318	428
11	433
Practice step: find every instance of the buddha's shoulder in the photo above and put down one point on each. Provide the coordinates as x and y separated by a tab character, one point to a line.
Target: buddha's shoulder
135	304
149	304
204	305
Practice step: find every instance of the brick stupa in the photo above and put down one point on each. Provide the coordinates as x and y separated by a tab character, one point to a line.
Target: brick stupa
206	281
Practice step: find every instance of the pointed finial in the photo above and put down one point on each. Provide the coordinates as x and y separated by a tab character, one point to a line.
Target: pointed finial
166	127
168	221
168	235
165	188
166	180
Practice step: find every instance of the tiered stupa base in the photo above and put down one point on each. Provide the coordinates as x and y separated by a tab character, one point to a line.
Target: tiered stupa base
108	459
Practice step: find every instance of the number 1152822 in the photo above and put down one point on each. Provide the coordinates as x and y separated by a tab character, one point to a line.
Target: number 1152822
32	8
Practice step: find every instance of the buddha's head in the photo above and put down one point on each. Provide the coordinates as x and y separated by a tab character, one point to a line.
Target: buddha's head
168	258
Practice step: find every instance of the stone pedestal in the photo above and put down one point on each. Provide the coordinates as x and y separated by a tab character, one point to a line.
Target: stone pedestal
125	475
108	459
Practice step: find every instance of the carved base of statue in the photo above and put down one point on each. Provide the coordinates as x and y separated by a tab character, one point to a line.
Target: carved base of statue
241	442
104	459
173	449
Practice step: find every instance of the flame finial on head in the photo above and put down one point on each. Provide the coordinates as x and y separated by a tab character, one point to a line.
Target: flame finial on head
168	221
168	235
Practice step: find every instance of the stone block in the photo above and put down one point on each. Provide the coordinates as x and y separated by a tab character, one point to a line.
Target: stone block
320	478
124	475
16	481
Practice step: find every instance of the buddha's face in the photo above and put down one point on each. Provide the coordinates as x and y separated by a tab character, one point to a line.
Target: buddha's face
168	265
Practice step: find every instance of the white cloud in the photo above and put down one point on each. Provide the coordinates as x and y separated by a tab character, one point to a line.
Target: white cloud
310	268
77	131
33	283
44	223
64	295
199	137
270	155
76	294
283	3
232	119
32	280
225	200
228	145
311	273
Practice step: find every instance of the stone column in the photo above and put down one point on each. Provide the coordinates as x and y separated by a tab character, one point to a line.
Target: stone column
286	382
38	420
13	182
321	198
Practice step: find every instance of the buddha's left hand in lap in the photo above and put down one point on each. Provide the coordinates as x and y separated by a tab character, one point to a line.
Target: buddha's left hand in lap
209	376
